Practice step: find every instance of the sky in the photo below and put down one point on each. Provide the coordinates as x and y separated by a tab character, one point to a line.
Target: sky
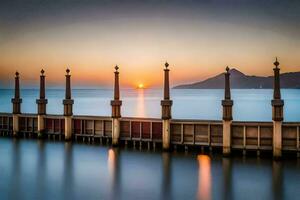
198	38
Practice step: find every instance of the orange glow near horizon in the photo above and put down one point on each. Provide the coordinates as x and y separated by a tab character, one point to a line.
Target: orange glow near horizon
204	183
196	47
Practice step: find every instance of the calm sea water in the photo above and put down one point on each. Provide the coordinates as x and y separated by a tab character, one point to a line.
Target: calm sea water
32	169
252	104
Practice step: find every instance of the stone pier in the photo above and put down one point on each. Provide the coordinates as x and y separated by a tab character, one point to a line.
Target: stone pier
227	104
41	106
166	105
16	101
274	136
68	108
277	113
116	110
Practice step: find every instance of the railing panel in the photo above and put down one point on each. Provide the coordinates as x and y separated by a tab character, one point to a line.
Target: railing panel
216	135
57	125
35	125
146	128
252	135
22	124
89	127
125	129
77	126
188	133
62	124
29	124
135	129
1	122
201	133
237	135
175	132
10	126
99	127
4	123
108	128
157	130
289	137
266	136
49	125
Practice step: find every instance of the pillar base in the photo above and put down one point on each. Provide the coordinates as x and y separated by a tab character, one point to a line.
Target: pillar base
166	134
68	128
115	131
226	137
277	137
15	125
41	126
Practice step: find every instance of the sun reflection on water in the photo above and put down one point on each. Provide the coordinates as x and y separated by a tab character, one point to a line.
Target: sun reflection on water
204	177
141	104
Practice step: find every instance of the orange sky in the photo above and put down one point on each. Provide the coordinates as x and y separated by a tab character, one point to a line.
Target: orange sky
196	46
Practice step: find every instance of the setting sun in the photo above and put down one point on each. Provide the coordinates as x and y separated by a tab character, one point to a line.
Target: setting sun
141	86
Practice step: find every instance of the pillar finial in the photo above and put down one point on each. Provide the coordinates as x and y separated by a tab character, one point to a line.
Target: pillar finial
227	84
276	70
276	63
68	84
42	85
17	85
227	69
166	65
116	86
166	82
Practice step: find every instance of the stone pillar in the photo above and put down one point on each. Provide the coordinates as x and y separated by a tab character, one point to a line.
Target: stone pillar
41	105
227	104
166	105
277	113
68	108
16	101
116	110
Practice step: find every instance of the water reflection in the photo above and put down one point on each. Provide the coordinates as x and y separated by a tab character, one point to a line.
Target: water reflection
166	176
227	179
16	171
204	177
56	170
41	167
114	172
277	180
68	171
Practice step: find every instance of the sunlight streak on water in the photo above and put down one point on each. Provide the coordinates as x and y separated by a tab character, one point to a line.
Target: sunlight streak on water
204	183
140	108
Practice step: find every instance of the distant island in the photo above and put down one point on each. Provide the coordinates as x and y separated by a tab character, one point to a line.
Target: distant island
239	80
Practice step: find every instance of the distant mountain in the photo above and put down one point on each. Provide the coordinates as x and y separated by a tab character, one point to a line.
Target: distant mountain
239	80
